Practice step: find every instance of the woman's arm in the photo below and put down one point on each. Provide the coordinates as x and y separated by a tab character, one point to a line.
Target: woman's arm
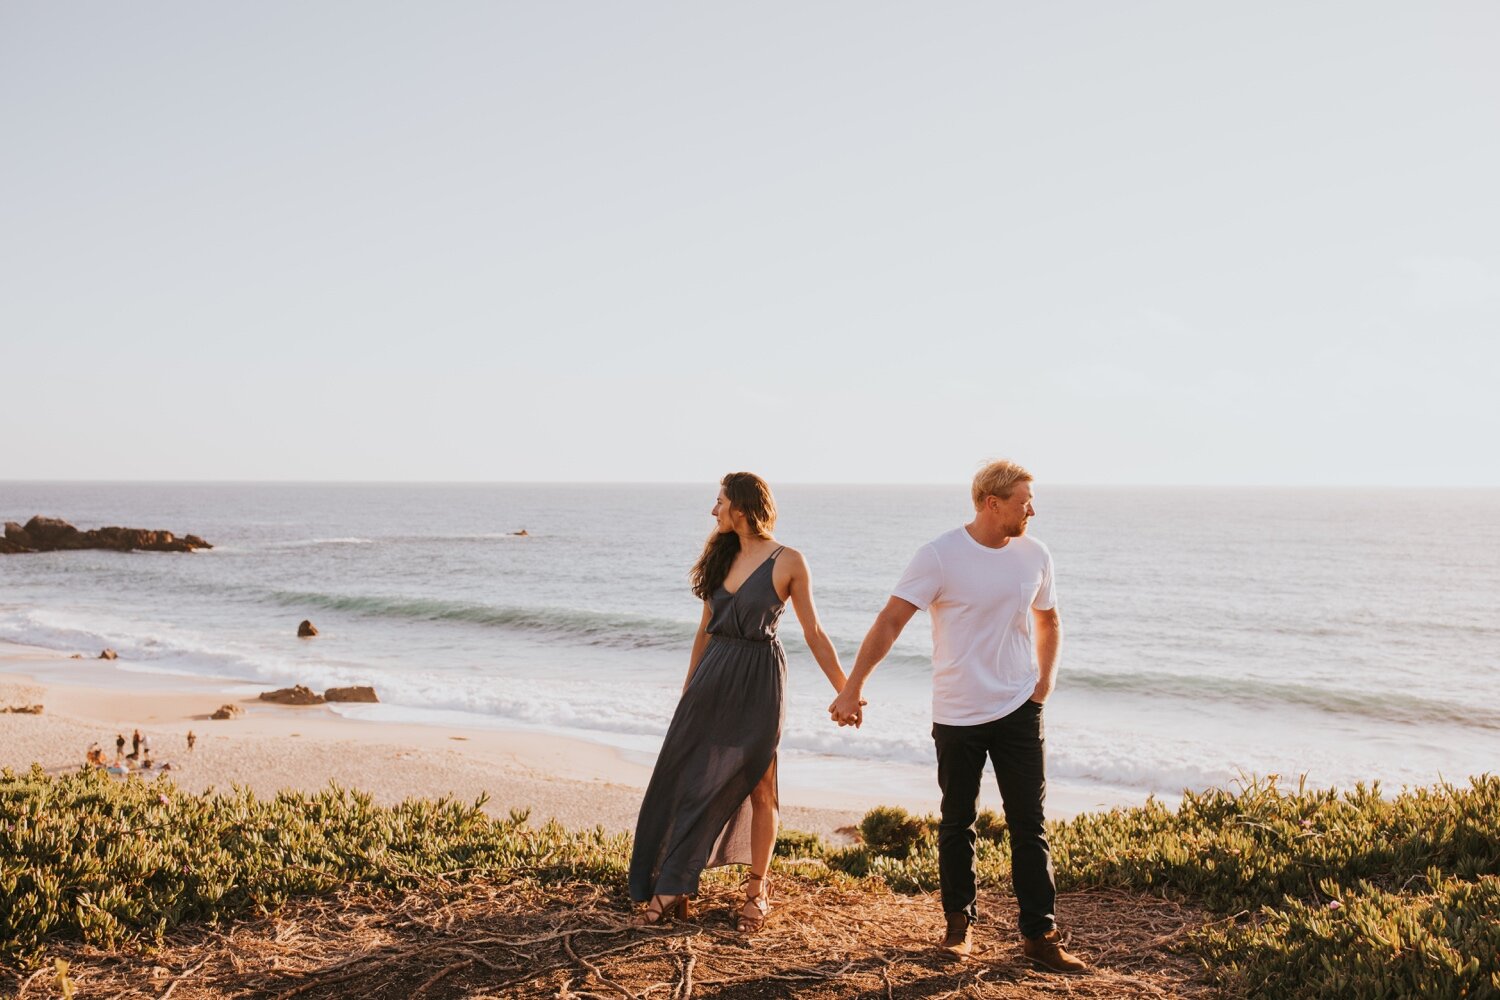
700	643
800	585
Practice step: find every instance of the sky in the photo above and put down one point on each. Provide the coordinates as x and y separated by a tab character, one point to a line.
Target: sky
1122	243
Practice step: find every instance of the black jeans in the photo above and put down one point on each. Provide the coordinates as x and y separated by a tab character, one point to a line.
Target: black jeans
1015	743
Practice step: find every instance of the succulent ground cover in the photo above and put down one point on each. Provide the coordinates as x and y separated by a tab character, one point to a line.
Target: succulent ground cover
1265	891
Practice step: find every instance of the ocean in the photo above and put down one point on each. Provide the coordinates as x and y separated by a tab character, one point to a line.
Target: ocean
1351	635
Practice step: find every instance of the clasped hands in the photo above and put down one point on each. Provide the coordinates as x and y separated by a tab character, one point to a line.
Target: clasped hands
848	709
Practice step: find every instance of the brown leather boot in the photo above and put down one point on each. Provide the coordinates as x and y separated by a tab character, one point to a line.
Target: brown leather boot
1047	951
958	939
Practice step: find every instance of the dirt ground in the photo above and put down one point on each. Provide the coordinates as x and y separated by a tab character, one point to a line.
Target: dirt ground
489	939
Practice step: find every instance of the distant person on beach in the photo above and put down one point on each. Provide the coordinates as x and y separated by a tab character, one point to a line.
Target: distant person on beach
713	798
192	738
135	744
989	590
119	744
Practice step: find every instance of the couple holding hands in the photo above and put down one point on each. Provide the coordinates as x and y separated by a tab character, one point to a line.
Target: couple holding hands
713	800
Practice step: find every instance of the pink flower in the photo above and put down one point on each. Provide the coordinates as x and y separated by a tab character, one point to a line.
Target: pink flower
163	800
1334	904
1306	823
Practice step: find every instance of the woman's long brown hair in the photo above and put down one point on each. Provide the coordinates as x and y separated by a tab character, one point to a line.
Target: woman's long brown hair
748	494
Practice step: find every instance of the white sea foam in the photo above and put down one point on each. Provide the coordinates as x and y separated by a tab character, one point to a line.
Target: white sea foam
633	716
303	543
157	644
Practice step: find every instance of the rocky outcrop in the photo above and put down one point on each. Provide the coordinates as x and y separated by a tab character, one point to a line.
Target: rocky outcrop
51	534
306	630
228	712
298	695
21	710
109	654
358	693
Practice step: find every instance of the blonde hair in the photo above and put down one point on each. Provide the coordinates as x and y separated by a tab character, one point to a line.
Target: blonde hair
998	479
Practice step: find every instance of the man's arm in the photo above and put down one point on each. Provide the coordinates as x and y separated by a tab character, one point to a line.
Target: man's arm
1048	642
882	636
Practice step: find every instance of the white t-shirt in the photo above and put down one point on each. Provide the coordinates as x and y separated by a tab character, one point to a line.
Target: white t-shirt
980	599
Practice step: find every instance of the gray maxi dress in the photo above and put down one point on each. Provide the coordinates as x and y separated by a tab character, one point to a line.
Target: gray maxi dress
722	740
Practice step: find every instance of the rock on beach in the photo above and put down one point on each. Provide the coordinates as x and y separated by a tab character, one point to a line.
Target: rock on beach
357	693
296	695
52	534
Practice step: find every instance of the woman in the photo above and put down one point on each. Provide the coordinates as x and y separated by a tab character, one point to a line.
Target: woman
713	797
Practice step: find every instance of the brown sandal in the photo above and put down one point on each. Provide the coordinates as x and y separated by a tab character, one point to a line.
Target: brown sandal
663	908
757	908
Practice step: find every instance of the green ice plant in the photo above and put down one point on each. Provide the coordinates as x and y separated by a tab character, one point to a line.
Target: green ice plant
1367	943
1333	894
85	856
1330	894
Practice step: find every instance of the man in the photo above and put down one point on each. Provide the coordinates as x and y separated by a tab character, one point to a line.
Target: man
989	590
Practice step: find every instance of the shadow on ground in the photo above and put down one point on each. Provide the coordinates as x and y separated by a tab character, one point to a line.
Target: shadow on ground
513	940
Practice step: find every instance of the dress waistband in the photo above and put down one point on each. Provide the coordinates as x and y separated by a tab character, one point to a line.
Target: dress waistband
737	641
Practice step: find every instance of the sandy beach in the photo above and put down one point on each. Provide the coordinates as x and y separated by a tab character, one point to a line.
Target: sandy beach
271	747
578	782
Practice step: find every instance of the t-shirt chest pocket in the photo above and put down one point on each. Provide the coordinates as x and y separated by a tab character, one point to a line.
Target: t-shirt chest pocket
1003	599
1023	594
1025	590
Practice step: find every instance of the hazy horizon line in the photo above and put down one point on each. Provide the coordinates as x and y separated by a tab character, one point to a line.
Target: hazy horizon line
1045	483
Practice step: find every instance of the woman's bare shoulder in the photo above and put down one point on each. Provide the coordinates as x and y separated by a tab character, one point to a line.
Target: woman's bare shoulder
793	558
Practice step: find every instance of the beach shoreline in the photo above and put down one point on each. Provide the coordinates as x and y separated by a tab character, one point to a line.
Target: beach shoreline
579	782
